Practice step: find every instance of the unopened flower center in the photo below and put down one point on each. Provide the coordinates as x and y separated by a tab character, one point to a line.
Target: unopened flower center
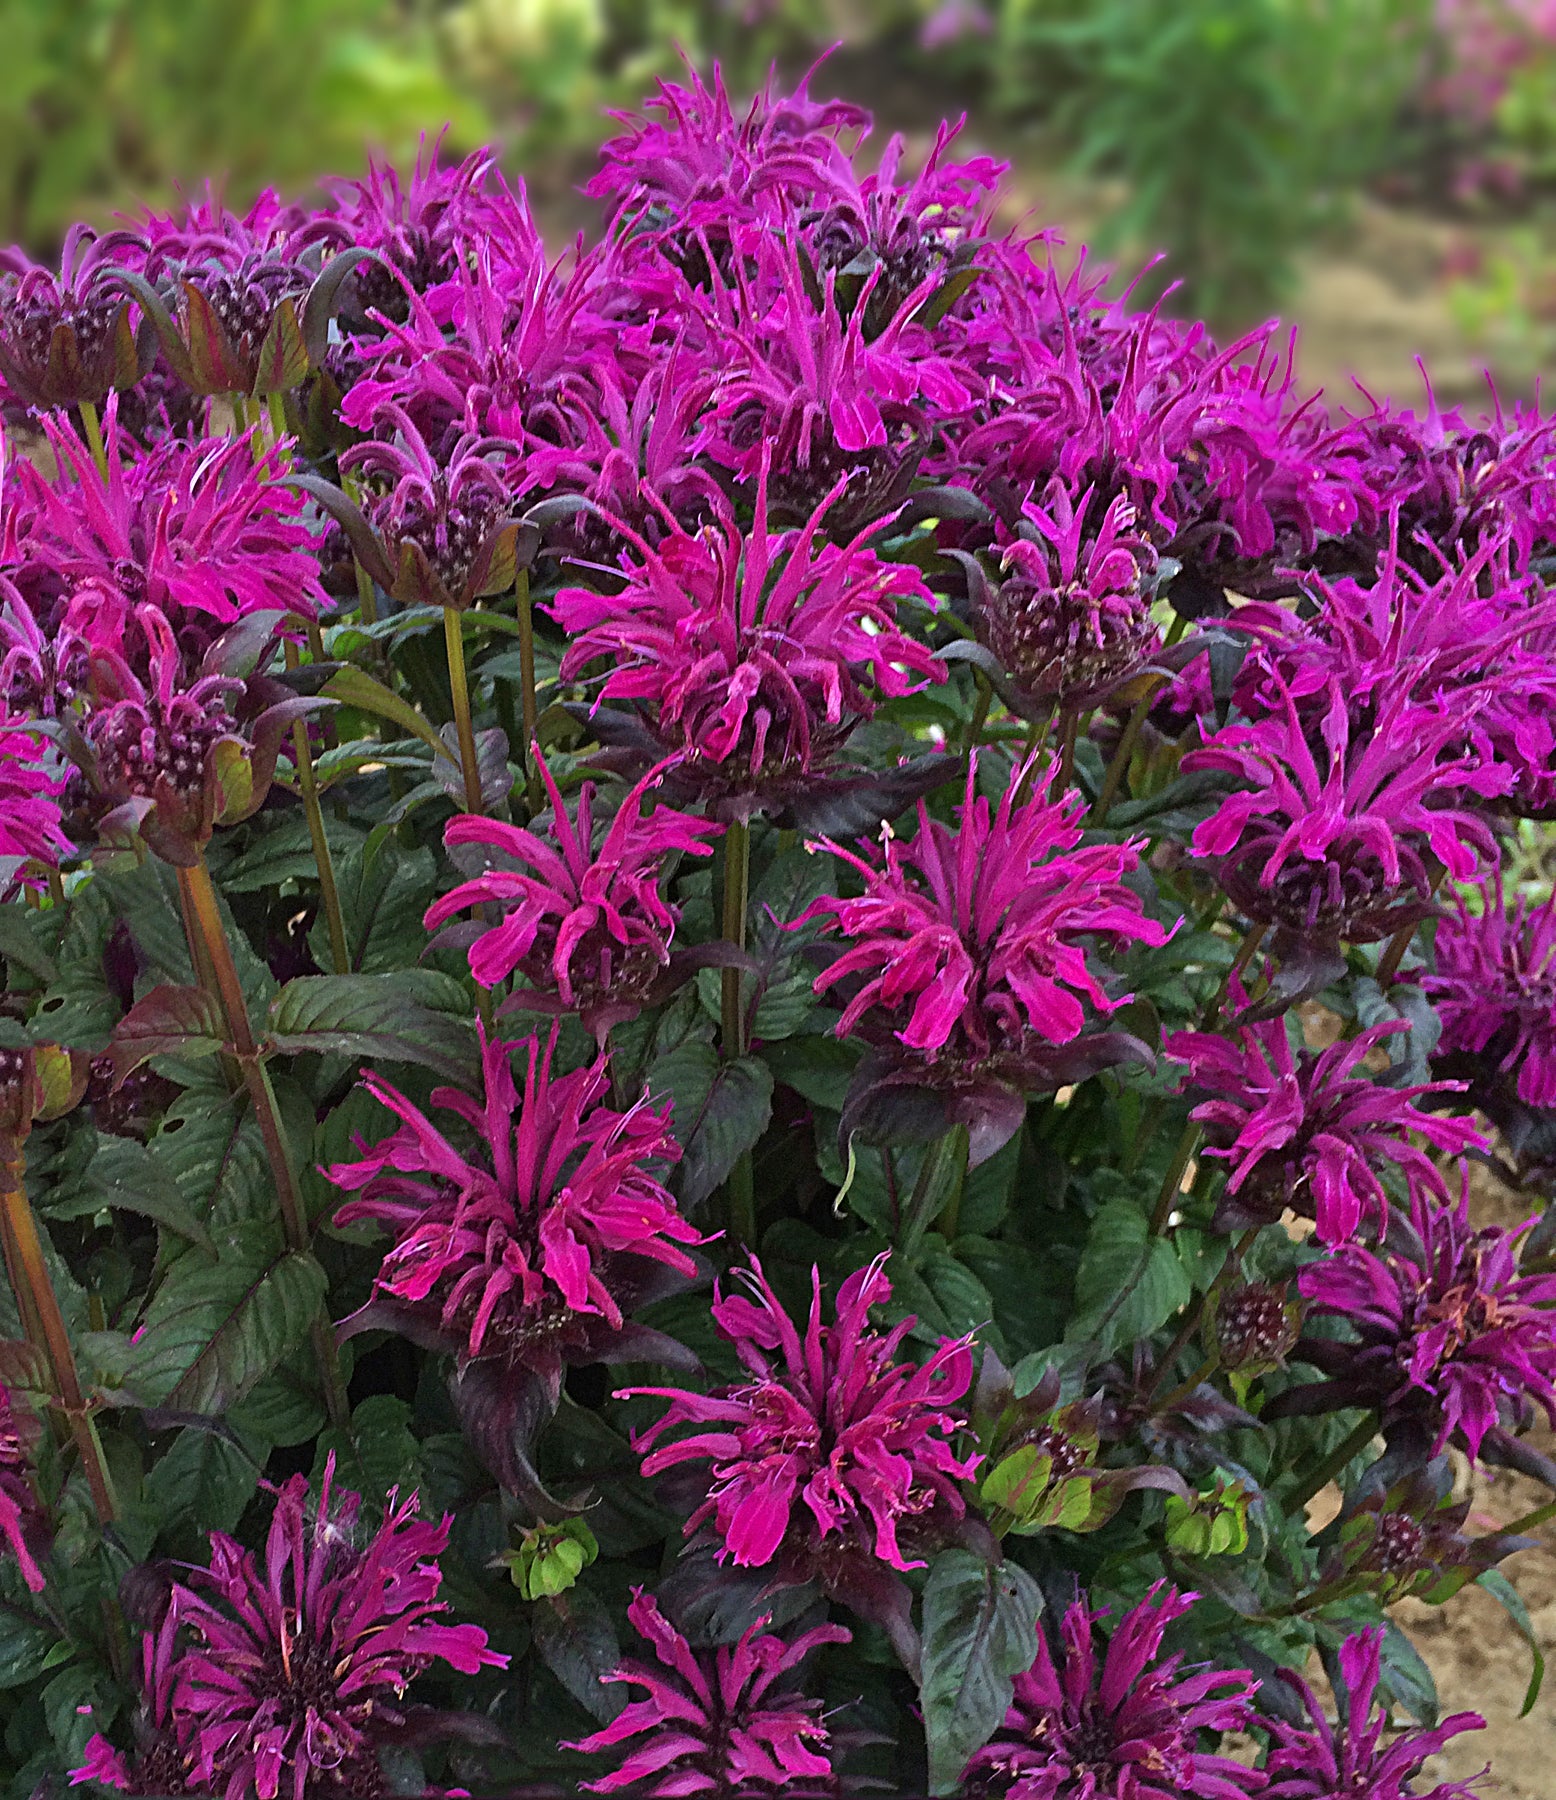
1397	1545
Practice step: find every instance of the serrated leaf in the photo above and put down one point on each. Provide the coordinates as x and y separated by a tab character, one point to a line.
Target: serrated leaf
355	687
215	1329
383	895
284	853
1129	1282
24	1645
380	1452
21	942
210	1148
721	1110
980	1632
125	1176
203	1479
170	1021
577	1643
413	1016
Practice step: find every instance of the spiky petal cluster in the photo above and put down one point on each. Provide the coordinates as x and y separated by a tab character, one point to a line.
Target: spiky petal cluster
299	1663
21	1515
1328	839
498	1243
1358	1756
831	1438
1072	619
724	1721
1309	1130
589	926
1495	989
1129	1728
195	530
970	939
1445	1328
749	647
29	807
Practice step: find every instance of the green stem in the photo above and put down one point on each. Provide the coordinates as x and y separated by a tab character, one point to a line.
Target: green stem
38	1302
1184	1388
1196	1312
980	715
367	597
1529	1520
203	908
1355	1441
454	637
94	436
328	891
1180	624
1172	1183
1252	939
741	1191
944	1172
527	700
1068	729
737	881
1121	757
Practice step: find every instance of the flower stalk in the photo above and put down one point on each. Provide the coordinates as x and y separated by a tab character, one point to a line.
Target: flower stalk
459	685
1347	1450
527	700
195	884
329	892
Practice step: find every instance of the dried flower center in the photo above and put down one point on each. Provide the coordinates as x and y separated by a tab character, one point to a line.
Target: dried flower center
142	749
1066	1457
1060	642
300	1684
243	300
1252	1327
30	328
1397	1546
450	530
1467	1311
13	1067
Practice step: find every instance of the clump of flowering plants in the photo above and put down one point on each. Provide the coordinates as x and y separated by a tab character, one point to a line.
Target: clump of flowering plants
676	975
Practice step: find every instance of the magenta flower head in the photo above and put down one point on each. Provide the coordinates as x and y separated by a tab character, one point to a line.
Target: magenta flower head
1327	843
23	1523
1072	620
195	530
299	1664
1309	1130
516	1247
832	1446
966	962
30	829
748	652
588	929
724	1722
1495	990
441	532
1129	1728
163	1758
1446	1333
67	338
1358	1754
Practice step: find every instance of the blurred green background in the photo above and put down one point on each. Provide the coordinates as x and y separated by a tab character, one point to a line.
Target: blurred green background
1384	170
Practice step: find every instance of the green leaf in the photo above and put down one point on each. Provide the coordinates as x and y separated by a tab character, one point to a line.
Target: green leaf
412	1016
211	1152
127	1177
355	687
24	1646
980	1632
1500	1588
1129	1282
721	1110
283	853
203	1479
171	1021
577	1643
383	895
380	1453
1407	1677
215	1329
21	942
